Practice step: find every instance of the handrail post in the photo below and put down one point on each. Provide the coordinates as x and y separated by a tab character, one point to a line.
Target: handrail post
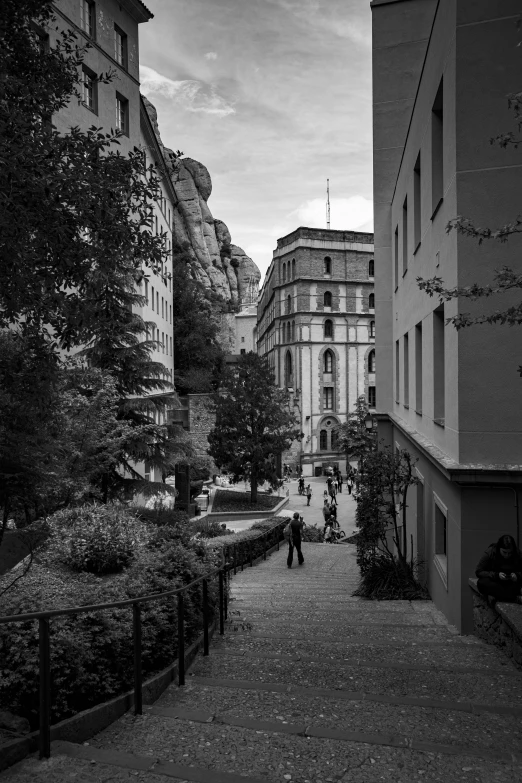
205	617
136	626
221	605
181	641
45	688
266	546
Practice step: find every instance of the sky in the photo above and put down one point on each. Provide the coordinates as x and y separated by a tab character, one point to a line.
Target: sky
273	97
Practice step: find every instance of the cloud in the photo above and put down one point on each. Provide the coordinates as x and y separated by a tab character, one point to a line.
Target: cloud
321	14
346	214
191	94
211	56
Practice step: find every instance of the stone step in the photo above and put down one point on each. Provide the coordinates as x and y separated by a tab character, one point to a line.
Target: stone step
490	687
346	616
383	723
296	752
346	633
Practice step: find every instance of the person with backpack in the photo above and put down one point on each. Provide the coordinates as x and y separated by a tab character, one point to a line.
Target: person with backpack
292	533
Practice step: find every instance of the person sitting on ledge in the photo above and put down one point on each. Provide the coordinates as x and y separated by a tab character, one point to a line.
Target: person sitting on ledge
500	571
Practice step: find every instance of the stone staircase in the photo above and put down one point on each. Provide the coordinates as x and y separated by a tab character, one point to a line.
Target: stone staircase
312	686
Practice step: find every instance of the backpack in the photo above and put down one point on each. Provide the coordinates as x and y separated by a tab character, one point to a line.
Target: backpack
287	532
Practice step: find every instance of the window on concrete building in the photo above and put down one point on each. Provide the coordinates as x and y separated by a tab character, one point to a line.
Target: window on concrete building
372	328
289	374
122	114
371	361
242	339
328	362
157	302
438	366
327	299
371	268
396	256
293	268
242	350
147	291
120	46
417	203
88	17
284	273
328	328
406	369
89	89
323	440
405	248
152	297
418	368
327	269
289	332
293	331
288	304
397	371
437	142
328	398
372	397
440	513
371	301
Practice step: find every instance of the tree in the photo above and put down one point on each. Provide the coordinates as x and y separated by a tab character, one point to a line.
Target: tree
198	356
253	424
352	436
71	206
505	279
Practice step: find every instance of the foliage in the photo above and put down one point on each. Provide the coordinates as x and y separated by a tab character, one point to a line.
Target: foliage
162	516
228	500
253	423
382	539
198	355
390	580
246	540
91	653
313	534
98	539
505	279
209	528
352	436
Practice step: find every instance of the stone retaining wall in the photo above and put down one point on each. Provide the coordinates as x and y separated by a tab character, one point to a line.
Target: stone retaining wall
498	623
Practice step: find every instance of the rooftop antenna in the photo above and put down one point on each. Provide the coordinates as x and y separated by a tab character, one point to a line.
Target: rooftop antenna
327	203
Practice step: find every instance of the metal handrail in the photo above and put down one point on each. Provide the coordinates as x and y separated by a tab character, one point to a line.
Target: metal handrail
44	631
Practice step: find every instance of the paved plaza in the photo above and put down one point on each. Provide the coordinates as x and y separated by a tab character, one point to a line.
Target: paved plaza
310	685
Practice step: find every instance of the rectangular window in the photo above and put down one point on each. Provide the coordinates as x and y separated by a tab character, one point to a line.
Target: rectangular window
170	312
406	367
162	306
87	17
372	399
437	142
120	46
396	256
440	513
89	89
328	399
405	236
147	290
170	346
397	372
122	114
152	297
438	366
417	204
418	368
242	350
157	302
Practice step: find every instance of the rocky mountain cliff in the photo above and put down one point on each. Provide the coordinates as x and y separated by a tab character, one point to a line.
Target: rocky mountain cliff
217	263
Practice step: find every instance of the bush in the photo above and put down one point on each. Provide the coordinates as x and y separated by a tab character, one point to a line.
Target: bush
239	545
92	653
389	579
312	534
160	515
228	500
95	538
209	529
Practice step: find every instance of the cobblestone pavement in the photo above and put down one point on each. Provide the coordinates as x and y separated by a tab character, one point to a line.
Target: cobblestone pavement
311	685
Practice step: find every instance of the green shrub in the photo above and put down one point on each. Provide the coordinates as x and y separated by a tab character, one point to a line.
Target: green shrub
389	579
209	529
100	539
312	534
161	516
238	546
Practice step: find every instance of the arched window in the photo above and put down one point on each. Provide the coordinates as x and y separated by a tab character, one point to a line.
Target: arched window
372	328
328	361
334	439
328	328
288	332
288	304
327	299
371	361
289	376
323	440
371	268
327	270
284	273
293	331
371	301
293	268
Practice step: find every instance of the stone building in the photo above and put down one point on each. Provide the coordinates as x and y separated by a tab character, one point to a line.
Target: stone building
441	71
316	325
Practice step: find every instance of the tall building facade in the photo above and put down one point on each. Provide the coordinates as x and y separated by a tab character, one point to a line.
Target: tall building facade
316	326
441	71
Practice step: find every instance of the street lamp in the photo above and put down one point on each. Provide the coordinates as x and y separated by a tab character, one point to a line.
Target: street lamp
369	422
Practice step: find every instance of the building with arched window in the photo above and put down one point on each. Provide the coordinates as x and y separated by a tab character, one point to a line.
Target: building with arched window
322	278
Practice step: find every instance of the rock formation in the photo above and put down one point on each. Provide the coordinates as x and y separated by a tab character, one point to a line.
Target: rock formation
218	264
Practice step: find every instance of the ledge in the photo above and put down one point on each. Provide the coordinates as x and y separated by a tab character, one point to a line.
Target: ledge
498	623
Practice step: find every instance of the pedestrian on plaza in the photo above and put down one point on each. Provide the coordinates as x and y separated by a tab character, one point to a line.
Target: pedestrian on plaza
325	495
499	571
326	510
340	482
296	525
328	533
308	494
332	495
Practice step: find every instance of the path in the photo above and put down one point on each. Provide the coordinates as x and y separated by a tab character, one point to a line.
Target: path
312	686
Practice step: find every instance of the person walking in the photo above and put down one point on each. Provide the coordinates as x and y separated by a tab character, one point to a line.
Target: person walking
296	526
340	482
331	492
308	494
499	571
